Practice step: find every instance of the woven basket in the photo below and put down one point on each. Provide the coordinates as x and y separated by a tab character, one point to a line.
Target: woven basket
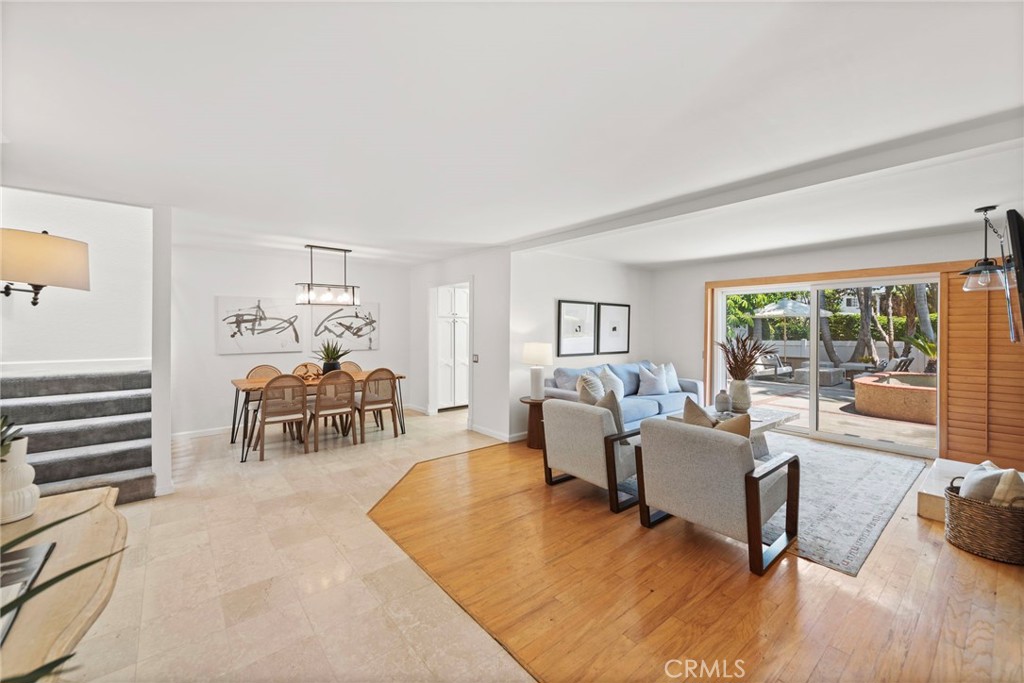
991	531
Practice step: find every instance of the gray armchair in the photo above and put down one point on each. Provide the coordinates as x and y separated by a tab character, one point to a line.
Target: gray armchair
581	441
710	478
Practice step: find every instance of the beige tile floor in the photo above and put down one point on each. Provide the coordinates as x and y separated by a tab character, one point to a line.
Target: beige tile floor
271	571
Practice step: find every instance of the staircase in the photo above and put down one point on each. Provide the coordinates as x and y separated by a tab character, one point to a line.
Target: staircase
85	430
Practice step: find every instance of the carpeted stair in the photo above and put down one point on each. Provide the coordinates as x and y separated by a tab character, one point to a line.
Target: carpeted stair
85	430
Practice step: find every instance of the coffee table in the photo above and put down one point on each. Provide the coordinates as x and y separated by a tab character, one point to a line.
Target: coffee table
762	420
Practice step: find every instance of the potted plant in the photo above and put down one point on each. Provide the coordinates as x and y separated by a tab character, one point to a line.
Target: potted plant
928	348
330	354
741	356
20	495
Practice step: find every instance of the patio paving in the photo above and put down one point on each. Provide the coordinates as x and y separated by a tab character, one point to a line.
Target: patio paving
834	419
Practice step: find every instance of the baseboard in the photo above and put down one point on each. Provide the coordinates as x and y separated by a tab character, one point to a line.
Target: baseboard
518	436
500	436
418	409
164	490
201	432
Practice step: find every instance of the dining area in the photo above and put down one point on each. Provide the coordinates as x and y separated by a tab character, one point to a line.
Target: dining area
310	404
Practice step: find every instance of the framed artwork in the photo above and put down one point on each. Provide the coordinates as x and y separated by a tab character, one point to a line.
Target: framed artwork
249	324
576	328
354	327
613	328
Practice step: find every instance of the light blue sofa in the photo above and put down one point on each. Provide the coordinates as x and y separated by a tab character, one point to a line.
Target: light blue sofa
634	408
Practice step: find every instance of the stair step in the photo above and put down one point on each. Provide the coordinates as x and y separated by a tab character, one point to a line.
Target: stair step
87	461
59	407
132	485
50	385
54	436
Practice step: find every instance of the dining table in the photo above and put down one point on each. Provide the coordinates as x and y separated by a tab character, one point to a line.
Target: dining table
248	386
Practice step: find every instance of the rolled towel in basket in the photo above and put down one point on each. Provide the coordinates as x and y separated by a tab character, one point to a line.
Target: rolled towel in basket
990	484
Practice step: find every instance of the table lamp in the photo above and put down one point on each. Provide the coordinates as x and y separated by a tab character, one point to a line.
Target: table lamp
537	355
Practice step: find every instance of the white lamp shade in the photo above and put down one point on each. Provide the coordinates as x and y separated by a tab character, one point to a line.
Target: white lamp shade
537	353
36	258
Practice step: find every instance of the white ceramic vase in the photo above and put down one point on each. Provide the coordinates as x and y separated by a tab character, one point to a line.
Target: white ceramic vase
739	391
20	495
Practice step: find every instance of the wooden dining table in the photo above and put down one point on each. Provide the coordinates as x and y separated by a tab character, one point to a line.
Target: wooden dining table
249	386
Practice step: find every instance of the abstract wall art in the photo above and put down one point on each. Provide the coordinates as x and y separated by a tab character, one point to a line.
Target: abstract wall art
355	327
256	325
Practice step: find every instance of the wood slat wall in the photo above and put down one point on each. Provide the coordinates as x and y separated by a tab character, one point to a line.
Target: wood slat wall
981	407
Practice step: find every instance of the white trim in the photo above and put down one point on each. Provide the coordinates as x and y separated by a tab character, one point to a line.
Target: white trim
201	432
518	436
418	409
491	433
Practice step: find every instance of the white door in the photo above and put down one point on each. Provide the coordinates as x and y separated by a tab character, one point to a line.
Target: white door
445	363
461	361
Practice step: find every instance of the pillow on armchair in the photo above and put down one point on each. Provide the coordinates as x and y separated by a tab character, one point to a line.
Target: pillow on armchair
693	414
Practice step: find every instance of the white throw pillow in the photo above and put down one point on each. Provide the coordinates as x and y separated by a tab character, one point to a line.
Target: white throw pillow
652	383
611	402
990	484
590	389
671	378
611	383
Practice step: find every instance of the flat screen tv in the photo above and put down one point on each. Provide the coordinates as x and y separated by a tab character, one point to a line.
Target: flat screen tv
1015	233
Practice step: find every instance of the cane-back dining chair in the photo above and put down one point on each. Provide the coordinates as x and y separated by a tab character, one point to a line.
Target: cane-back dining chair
284	402
378	395
335	399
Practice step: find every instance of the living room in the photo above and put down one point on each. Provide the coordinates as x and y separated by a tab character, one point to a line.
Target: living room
644	161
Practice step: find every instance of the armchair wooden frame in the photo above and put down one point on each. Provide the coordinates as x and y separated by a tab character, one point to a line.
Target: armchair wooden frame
617	500
761	559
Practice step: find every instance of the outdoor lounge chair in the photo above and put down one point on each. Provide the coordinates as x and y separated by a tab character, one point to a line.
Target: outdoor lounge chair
770	365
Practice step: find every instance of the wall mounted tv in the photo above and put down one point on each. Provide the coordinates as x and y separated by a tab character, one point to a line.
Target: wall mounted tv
1015	234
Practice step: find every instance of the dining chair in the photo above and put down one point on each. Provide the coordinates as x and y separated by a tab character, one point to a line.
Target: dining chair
351	366
335	399
308	370
378	395
258	372
284	402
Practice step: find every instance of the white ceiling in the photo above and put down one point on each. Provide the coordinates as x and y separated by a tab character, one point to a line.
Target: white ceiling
414	131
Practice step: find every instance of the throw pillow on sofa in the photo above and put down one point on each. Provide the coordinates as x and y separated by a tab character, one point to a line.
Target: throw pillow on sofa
652	383
671	378
611	383
693	414
989	483
590	389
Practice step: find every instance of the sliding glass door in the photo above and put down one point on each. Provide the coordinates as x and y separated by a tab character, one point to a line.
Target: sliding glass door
877	348
870	376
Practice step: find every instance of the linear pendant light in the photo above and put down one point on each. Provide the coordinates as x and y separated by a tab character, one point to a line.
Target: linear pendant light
323	294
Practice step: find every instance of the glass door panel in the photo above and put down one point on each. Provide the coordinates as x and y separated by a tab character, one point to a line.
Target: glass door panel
877	378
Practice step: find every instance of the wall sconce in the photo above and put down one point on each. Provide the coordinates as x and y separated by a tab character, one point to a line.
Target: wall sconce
39	259
317	293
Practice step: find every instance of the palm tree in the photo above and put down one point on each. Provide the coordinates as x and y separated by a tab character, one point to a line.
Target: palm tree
888	332
865	344
923	311
826	333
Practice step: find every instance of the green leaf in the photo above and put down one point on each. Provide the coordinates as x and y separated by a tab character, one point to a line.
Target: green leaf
36	590
24	537
37	674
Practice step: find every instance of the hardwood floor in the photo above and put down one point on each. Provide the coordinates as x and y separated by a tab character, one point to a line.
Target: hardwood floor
577	593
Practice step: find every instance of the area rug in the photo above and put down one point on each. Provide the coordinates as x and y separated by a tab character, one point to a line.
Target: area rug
847	496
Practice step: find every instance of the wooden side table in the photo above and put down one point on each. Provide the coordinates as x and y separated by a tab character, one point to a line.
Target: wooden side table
535	426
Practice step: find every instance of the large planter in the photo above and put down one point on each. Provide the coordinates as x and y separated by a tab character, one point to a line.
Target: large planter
739	391
331	366
20	495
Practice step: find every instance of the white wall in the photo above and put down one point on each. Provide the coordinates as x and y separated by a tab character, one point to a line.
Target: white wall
108	327
679	291
201	383
487	273
539	280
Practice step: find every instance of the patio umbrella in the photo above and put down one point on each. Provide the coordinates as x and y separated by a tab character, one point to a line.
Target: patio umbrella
787	308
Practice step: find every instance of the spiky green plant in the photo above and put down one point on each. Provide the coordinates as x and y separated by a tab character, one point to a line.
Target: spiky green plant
742	354
330	351
8	433
49	667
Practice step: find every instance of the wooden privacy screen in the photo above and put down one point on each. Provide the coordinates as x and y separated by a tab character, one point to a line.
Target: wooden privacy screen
981	403
981	374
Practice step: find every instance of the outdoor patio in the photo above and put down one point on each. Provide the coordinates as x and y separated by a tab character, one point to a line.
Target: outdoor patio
837	414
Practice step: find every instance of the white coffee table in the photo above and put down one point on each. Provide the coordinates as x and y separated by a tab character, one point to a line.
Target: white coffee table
762	420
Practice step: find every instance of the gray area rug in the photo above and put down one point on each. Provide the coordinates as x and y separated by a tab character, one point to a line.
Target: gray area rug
847	496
